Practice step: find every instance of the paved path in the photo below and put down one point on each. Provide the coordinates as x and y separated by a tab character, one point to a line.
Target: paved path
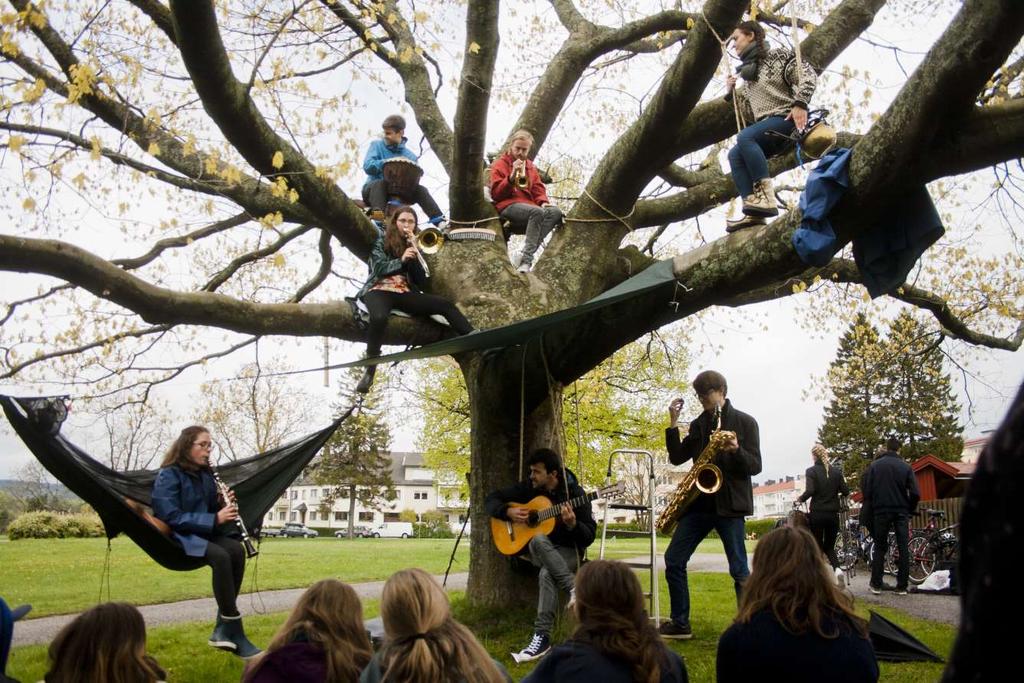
939	608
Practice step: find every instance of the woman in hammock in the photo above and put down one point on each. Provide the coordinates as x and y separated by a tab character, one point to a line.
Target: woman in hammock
395	282
185	497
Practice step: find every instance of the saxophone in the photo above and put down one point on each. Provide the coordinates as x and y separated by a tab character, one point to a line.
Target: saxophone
703	477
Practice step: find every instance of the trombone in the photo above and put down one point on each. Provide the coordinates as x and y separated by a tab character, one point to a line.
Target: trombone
428	241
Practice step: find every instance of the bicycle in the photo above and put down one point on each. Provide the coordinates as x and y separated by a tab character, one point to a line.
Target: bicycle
931	545
854	544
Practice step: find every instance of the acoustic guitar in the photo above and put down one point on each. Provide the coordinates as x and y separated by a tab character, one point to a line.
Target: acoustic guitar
511	537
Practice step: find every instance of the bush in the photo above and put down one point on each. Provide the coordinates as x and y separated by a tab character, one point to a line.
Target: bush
43	524
756	528
432	526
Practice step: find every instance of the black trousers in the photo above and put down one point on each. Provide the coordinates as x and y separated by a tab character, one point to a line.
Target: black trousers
227	560
900	523
825	528
380	304
375	195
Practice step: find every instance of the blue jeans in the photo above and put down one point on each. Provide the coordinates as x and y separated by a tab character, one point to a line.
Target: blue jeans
748	160
538	223
692	529
557	564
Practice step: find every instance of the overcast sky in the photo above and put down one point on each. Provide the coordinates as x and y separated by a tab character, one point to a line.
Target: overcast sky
769	369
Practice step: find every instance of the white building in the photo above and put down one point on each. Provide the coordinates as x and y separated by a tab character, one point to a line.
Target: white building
774	499
415	488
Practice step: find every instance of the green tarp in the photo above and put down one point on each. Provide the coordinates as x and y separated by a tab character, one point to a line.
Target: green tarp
651	278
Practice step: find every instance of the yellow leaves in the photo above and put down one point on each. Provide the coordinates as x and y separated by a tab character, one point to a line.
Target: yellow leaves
96	151
231	174
82	80
419	16
799	286
474	47
153	149
189	146
15	143
278	261
278	160
272	220
79	181
405	55
690	23
210	165
33	93
29	204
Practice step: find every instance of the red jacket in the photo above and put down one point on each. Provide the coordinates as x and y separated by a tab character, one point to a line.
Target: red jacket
504	193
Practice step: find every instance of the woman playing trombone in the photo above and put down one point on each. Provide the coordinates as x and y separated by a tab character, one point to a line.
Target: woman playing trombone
397	275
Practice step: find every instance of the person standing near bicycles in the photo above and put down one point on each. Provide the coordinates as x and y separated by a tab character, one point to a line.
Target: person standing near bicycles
890	489
825	485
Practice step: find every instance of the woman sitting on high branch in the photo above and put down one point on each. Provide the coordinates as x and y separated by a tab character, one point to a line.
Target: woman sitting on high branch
776	91
397	275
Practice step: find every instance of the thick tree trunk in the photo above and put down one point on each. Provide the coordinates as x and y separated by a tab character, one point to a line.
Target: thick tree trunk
494	394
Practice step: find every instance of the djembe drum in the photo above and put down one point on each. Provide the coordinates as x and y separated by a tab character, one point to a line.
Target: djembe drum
402	177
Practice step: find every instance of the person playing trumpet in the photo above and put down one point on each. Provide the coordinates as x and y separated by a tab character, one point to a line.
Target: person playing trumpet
397	276
520	197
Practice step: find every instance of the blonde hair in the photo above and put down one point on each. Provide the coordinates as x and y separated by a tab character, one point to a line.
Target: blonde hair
330	616
424	642
521	134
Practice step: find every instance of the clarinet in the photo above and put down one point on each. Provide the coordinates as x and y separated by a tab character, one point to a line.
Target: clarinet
250	549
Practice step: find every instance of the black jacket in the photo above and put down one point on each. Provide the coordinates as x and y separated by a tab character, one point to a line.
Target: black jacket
581	536
890	486
824	488
736	497
574	662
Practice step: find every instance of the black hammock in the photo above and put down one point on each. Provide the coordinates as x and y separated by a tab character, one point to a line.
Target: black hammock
122	499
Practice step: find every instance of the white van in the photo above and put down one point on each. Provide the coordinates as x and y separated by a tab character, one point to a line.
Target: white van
393	530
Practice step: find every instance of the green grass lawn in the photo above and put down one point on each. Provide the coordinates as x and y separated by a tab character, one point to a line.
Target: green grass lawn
63	576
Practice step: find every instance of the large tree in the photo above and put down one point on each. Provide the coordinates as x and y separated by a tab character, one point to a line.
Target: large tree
228	106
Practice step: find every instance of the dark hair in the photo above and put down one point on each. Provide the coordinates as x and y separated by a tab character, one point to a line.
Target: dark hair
106	643
394	241
892	443
755	29
396	122
178	453
547	457
791	578
612	619
328	615
709	380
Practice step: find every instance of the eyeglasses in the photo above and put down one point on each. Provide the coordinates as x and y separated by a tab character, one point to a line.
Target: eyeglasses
704	394
205	445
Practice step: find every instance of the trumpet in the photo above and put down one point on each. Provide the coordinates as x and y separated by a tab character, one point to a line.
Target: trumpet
225	492
414	242
520	179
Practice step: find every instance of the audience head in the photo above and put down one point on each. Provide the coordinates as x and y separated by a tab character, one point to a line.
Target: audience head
106	643
424	642
181	451
394	129
791	577
7	618
892	444
545	469
396	238
745	33
330	616
820	453
610	610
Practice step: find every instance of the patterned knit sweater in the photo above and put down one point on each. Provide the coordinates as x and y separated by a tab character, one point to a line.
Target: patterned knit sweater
777	88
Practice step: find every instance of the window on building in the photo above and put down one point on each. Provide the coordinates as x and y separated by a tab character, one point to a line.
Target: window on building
283	516
294	517
340	516
303	494
312	494
295	494
419	495
325	492
392	517
312	516
365	516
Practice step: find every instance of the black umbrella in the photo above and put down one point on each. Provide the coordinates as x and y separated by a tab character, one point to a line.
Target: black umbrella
893	644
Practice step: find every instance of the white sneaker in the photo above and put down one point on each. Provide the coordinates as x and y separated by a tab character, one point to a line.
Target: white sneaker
524	267
840	576
517	258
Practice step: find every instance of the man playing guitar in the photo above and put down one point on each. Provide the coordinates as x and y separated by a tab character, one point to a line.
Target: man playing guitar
558	554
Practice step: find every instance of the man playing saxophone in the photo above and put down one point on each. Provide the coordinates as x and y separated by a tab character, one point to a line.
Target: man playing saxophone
739	458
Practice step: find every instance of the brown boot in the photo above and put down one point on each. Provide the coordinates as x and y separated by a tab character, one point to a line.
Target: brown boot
743	222
762	201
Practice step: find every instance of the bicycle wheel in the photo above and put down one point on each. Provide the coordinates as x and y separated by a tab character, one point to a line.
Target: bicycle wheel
922	558
891	555
846	550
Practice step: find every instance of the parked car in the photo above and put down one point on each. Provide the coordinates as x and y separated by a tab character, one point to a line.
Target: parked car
296	529
357	531
393	530
270	532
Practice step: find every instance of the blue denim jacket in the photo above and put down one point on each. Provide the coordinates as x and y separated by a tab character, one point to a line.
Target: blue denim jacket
188	503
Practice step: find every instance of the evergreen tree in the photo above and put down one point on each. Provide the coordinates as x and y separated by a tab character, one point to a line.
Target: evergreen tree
855	418
356	461
922	410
